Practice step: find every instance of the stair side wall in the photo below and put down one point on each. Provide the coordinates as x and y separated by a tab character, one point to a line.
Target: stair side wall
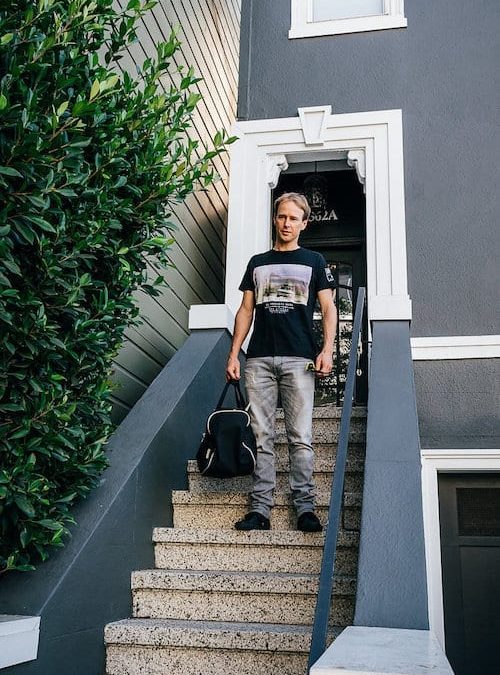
392	587
87	584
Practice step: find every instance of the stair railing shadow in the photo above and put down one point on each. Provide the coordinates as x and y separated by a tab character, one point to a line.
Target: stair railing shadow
323	603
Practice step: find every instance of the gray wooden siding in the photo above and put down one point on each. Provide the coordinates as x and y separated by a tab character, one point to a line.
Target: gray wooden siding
209	32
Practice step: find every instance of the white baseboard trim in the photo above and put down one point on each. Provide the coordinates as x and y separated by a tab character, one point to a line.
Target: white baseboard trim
18	639
455	347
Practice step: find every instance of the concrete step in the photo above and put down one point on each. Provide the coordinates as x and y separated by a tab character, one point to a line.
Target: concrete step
237	596
323	432
324	451
166	647
323	473
222	509
257	551
329	411
326	424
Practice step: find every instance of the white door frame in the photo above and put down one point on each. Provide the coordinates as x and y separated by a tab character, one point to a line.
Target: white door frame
434	462
373	144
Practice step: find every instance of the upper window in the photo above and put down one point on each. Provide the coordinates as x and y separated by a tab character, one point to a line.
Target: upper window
330	17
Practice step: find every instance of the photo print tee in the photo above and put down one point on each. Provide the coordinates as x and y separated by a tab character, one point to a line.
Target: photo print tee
285	285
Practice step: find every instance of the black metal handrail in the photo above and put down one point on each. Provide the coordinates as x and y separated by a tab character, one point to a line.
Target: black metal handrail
322	613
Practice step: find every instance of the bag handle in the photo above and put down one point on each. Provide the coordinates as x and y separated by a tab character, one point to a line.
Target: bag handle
240	399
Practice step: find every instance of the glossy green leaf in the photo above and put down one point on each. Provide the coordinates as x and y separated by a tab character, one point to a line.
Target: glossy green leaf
10	171
25	505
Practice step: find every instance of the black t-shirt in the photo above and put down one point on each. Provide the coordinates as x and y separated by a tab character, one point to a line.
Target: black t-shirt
285	285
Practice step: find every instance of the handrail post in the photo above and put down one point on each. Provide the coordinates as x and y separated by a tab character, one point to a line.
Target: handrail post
322	612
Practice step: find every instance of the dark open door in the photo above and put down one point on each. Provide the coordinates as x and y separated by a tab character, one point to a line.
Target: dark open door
469	507
337	230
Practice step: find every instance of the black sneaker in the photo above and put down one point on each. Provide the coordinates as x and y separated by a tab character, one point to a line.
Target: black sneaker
309	522
253	521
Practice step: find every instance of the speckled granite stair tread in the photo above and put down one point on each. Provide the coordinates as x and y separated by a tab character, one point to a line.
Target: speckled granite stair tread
222	509
235	596
323	434
235	581
332	412
321	465
323	476
228	497
256	551
212	634
288	538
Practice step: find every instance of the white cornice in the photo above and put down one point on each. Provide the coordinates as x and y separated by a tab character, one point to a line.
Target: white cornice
455	347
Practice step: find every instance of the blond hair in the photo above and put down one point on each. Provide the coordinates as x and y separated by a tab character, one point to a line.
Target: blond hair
295	197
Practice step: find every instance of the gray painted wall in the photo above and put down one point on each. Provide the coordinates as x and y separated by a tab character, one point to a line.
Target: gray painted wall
442	72
458	403
392	586
87	584
209	31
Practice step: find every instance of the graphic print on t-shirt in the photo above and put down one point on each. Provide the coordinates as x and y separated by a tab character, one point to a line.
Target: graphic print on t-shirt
282	286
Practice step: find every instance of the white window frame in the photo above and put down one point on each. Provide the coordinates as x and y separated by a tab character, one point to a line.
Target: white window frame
452	347
434	462
302	24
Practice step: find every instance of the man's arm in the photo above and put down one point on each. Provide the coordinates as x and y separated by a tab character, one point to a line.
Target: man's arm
242	324
324	360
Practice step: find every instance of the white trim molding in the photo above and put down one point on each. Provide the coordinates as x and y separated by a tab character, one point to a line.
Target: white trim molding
375	141
455	347
303	25
19	637
313	122
211	316
372	651
435	461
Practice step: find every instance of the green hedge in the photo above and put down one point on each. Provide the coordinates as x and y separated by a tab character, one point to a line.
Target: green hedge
90	158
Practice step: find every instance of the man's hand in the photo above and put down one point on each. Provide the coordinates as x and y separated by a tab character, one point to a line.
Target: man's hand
232	368
324	364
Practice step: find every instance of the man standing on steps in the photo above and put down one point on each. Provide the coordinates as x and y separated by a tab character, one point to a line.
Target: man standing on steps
281	287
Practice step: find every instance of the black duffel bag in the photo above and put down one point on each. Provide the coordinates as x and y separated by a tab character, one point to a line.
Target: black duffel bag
227	447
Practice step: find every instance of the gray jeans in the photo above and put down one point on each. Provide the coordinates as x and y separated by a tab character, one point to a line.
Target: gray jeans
264	378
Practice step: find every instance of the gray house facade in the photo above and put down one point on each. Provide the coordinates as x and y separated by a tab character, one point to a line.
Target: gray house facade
432	66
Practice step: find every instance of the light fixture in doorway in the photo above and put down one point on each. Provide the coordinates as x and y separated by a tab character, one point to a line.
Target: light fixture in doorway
316	191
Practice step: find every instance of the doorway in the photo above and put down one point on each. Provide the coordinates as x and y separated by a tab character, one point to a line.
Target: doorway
337	230
469	508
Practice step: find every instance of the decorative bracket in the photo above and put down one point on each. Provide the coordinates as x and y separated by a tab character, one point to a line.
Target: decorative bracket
313	121
357	160
275	165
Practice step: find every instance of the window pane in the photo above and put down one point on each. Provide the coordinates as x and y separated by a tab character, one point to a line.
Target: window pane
324	10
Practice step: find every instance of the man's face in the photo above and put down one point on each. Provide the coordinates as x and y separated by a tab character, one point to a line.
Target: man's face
289	223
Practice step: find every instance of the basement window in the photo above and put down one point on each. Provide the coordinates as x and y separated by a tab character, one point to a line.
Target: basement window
332	17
